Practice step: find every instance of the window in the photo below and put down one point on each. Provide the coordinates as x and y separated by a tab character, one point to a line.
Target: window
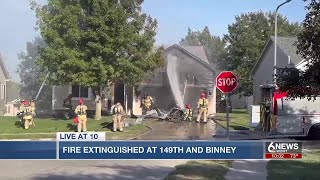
80	92
195	80
3	91
188	79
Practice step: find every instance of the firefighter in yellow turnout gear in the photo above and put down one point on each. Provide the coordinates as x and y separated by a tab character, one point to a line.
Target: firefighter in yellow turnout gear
202	108
188	115
27	114
147	103
117	117
81	111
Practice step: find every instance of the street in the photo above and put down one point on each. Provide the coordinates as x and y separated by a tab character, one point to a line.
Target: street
115	169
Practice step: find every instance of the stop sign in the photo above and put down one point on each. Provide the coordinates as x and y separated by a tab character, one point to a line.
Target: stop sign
226	82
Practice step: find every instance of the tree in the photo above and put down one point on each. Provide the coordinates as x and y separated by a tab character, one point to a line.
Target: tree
94	42
31	76
246	39
305	83
213	45
97	42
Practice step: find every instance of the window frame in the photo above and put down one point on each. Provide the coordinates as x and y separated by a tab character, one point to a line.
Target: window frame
84	98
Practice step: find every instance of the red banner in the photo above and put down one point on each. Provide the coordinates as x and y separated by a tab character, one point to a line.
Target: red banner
283	155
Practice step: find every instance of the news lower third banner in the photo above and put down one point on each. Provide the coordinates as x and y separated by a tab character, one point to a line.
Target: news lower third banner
94	146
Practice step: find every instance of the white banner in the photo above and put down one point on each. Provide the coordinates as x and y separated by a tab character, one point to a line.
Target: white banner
81	136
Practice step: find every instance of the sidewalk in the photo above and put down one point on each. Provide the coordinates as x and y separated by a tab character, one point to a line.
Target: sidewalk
248	170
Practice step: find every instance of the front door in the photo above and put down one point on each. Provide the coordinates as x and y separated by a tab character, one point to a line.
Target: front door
119	93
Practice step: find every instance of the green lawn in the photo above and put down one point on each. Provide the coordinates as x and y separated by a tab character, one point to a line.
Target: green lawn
306	169
11	128
239	120
204	170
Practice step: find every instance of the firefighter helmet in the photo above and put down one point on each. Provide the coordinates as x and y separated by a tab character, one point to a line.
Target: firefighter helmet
81	101
25	102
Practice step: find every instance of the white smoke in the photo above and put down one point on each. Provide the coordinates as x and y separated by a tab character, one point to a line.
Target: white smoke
172	62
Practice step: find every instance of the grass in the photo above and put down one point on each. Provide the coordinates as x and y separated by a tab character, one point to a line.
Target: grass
204	170
306	169
239	120
11	128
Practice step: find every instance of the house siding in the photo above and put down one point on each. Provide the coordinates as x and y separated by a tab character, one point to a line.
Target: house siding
264	72
59	93
238	102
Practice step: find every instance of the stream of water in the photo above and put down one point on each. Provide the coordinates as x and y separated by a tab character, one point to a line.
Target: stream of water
172	62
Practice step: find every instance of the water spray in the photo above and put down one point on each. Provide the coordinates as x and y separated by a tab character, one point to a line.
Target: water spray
174	81
43	83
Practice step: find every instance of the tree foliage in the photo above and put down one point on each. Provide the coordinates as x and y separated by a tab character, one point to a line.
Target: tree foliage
95	42
246	39
213	45
305	83
31	76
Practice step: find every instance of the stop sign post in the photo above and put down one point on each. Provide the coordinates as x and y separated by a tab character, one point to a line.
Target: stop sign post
227	82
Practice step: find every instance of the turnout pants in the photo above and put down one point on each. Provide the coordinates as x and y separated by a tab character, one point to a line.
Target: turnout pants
117	122
204	112
82	125
27	123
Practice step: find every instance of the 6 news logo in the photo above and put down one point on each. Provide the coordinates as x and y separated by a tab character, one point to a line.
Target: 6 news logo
283	150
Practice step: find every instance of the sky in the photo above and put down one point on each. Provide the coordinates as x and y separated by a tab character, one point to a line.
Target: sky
174	18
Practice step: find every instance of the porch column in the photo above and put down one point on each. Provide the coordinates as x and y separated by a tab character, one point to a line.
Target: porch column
136	102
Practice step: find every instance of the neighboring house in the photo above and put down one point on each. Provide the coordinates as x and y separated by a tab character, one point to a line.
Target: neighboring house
9	90
192	67
262	72
238	102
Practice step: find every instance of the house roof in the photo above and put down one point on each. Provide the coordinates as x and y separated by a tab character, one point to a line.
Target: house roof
195	52
287	45
3	68
198	51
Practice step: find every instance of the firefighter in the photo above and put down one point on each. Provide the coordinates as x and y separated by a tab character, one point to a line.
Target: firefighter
81	111
202	108
147	103
117	117
188	116
67	103
20	113
26	111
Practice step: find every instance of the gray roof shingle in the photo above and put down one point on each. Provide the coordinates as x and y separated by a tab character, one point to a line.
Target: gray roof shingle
194	52
287	45
198	51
